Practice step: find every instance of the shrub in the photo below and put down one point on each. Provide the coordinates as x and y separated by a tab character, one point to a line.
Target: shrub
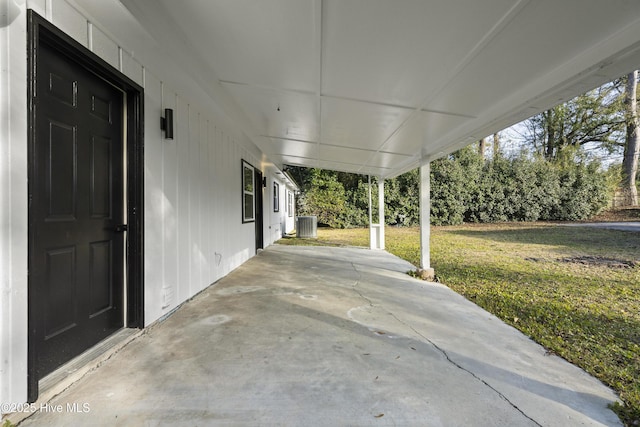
466	188
522	188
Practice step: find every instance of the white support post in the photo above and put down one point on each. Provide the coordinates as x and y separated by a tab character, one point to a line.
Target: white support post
372	239
376	231
425	221
370	204
381	213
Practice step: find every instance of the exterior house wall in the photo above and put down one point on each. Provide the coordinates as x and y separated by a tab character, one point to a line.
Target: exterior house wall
194	233
290	210
277	223
274	223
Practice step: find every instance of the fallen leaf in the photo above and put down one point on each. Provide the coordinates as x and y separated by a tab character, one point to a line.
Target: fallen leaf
398	357
376	377
412	348
379	416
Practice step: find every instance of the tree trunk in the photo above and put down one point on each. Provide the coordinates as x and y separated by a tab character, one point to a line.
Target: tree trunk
551	135
632	146
482	146
496	145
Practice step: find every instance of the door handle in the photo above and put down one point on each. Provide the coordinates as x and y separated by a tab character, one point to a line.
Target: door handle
120	228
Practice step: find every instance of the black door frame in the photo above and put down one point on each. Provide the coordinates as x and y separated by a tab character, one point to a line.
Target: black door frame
259	209
39	30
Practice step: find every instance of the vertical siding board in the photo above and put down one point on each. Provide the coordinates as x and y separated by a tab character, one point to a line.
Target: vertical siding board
131	68
213	232
215	202
194	201
224	203
235	154
170	208
203	210
104	47
209	216
40	6
182	198
70	21
218	203
228	188
153	198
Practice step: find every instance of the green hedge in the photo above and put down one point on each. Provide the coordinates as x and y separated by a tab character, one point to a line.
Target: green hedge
466	188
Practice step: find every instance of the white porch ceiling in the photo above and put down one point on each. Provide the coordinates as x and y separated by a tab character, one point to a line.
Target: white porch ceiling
377	86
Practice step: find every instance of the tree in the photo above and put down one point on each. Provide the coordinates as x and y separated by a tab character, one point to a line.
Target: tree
594	117
632	144
402	199
324	197
482	147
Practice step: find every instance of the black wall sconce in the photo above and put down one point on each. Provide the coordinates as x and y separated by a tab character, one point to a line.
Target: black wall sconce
166	123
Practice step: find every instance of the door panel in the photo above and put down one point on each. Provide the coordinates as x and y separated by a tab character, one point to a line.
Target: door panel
61	171
101	283
101	192
61	267
77	200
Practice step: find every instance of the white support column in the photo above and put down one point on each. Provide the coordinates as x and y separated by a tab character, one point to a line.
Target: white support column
376	231
372	238
425	221
381	213
370	204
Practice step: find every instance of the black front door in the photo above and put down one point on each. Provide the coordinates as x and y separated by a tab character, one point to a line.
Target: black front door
76	210
259	188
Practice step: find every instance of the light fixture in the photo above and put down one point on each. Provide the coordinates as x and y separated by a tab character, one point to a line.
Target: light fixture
166	123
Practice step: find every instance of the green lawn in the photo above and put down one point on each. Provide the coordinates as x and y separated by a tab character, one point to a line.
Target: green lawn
576	291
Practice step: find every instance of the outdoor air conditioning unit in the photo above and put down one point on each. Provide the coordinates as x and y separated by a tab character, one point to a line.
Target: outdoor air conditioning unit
307	226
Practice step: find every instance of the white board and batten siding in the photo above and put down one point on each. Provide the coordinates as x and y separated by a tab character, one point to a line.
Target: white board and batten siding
281	221
194	233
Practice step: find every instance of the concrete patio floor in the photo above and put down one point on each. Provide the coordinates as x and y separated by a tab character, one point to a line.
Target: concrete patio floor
306	336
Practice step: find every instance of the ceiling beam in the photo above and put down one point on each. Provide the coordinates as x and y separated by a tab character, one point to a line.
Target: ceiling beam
343	98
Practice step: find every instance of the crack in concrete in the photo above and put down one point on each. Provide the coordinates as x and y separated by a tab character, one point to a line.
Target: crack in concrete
457	365
357	283
438	348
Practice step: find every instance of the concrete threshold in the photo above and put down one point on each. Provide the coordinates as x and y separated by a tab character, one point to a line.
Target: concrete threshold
66	375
